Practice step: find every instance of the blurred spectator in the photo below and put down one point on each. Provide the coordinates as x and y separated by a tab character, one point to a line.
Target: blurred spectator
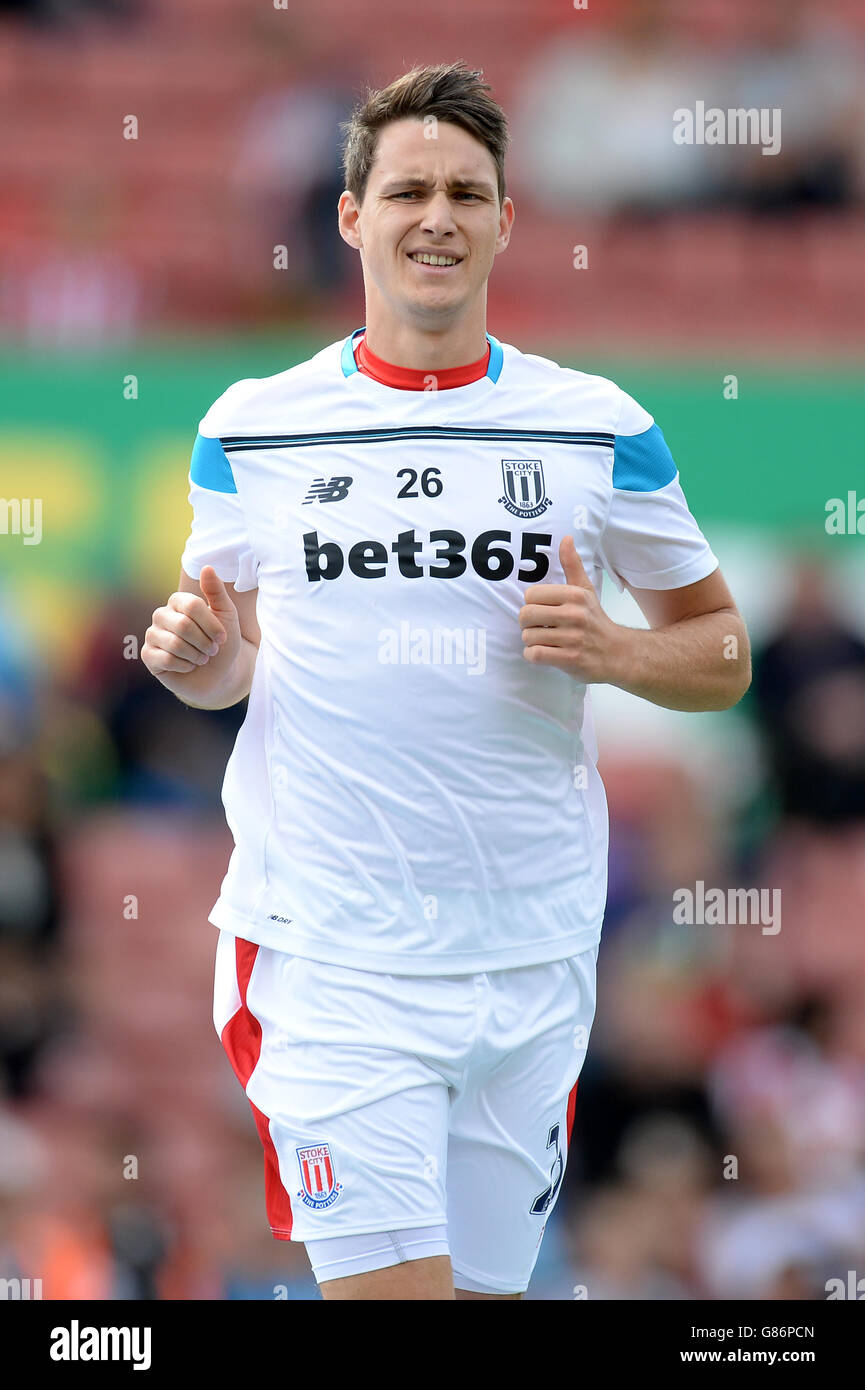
800	61
779	1075
616	1243
808	695
287	175
657	1025
593	116
28	890
30	990
163	752
33	1010
592	119
78	1225
778	1221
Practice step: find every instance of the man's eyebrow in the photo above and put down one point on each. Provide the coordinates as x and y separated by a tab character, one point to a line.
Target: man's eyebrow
416	180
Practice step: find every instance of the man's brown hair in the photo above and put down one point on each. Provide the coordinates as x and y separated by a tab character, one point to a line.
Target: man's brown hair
449	91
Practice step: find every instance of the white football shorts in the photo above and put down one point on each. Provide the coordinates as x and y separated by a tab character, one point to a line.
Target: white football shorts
439	1107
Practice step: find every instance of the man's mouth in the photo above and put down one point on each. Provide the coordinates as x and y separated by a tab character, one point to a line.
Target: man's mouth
431	259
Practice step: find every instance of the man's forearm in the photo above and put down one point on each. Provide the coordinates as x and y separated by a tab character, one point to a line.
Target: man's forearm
701	663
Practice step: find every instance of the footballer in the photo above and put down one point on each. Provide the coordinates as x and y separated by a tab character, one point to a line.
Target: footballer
396	553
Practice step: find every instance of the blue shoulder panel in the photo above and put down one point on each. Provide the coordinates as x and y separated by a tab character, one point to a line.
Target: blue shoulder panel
209	467
642	462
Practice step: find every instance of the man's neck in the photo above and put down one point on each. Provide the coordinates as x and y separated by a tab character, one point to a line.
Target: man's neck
402	345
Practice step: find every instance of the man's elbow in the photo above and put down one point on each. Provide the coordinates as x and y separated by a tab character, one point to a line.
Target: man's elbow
737	653
738	681
738	690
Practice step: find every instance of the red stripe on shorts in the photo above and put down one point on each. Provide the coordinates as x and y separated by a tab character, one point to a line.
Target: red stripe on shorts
241	1038
572	1104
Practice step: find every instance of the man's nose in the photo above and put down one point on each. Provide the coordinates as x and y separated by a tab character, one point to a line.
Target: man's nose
438	215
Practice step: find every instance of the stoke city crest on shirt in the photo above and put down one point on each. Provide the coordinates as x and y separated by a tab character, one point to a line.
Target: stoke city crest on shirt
525	491
320	1187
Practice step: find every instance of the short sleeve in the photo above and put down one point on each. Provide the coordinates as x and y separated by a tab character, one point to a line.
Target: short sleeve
218	536
650	539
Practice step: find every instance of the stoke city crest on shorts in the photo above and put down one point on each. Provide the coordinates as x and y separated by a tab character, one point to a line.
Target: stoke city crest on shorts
320	1187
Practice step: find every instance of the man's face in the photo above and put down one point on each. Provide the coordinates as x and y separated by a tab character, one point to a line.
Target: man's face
432	189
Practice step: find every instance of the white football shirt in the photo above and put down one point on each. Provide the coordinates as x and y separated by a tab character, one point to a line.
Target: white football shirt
407	793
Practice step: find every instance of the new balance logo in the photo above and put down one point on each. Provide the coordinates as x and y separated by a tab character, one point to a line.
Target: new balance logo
334	490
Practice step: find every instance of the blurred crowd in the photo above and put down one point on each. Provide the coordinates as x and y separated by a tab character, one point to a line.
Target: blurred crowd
719	1140
593	115
221	207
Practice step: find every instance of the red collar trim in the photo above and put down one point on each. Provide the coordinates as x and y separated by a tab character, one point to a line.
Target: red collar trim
411	378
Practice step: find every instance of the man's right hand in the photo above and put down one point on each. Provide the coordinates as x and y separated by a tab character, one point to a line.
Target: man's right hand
190	632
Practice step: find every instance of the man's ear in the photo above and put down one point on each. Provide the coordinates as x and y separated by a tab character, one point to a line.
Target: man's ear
348	212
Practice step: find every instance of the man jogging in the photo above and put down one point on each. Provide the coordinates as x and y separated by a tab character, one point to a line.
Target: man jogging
396	552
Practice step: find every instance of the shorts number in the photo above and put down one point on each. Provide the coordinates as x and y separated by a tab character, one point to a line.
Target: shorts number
545	1199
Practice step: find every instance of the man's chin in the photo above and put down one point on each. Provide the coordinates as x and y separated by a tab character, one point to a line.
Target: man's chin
444	297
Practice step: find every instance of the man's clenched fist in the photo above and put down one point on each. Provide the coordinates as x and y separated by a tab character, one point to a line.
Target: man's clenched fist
189	631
